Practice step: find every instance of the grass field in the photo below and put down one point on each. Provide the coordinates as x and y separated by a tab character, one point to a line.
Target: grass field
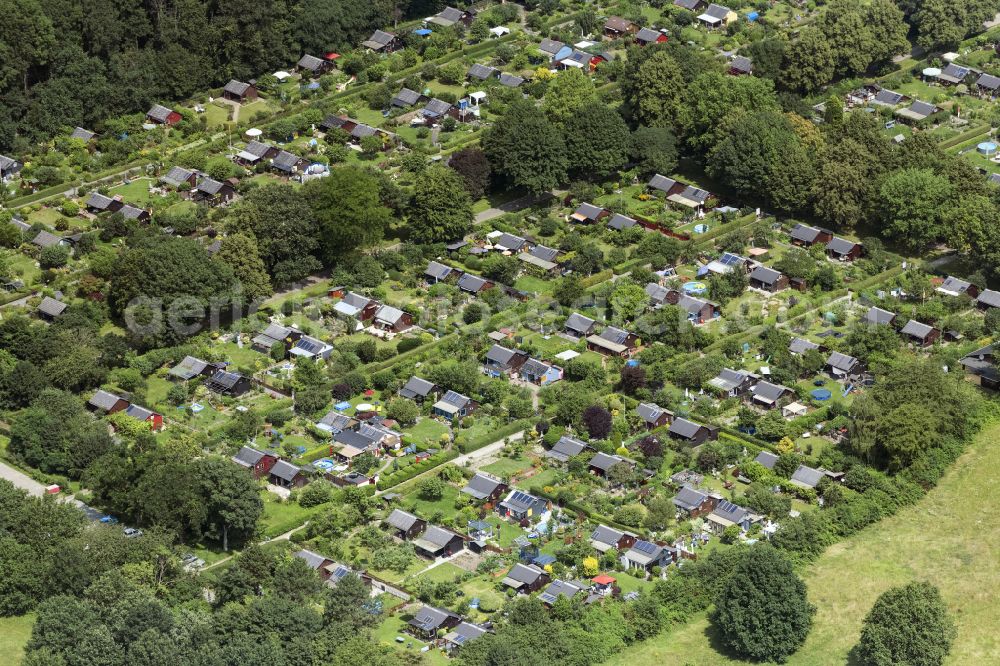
14	634
950	539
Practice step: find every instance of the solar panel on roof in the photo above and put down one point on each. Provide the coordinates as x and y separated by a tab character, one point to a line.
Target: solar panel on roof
311	347
645	547
547	598
522	497
730	259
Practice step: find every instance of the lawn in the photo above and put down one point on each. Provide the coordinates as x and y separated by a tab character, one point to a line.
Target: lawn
507	467
948	539
14	635
135	192
426	431
442	572
431	508
217	116
279	517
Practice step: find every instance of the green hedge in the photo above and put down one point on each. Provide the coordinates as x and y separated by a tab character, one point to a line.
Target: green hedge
964	136
315	454
407	473
55	190
473	444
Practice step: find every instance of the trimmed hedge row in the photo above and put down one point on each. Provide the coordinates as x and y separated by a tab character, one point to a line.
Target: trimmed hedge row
53	191
407	473
473	444
964	136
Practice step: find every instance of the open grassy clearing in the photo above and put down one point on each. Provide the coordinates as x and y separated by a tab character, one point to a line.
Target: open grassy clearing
14	635
950	538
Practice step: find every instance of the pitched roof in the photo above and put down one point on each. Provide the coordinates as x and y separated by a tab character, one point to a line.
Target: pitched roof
401	520
741	64
766	459
920	109
544	253
954	286
806	476
406	97
684	428
103	400
589	211
578	323
876	315
550	46
188	368
841	361
435	538
604	461
415	386
988	81
453	399
716	11
765	275
471	283
566	448
841	246
248	456
511	80
437	107
235	87
689	499
801	345
522	574
285	161
430	618
464	632
644	552
159	113
954	73
606	535
80	133
140	413
312	560
46	239
560	588
131	212
447	16
257	148
509	242
482	72
51	307
805	233
661	183
209	185
917	329
482	485
177	175
887	97
647	35
768	392
728	379
618	24
502	355
989	297
221	380
521	501
388	314
379	39
99	201
726	511
285	470
620	221
310	62
650	412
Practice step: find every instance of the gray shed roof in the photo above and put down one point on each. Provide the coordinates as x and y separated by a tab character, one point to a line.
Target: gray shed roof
661	183
235	87
51	307
401	520
684	428
806	476
482	485
578	323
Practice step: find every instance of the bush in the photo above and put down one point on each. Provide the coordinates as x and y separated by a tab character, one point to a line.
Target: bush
314	494
907	625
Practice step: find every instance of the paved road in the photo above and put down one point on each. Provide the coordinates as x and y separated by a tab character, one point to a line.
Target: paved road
21	480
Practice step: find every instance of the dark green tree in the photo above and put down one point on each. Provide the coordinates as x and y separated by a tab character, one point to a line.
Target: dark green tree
762	612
